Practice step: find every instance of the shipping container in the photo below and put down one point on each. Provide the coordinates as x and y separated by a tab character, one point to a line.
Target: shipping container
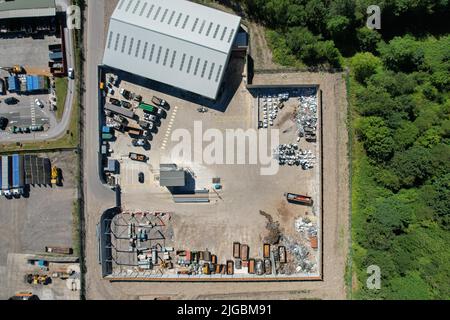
230	267
266	251
244	252
18	179
236	250
251	266
6	176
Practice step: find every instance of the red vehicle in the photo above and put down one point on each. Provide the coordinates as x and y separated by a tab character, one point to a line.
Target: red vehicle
299	199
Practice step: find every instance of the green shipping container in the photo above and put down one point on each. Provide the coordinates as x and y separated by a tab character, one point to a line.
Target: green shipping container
107	136
147	107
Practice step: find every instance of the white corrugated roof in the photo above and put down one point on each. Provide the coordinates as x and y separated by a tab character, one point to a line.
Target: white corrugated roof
176	42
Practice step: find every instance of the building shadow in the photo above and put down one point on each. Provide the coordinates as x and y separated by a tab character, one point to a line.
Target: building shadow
230	84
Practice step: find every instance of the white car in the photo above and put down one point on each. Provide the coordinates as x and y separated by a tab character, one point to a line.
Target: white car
39	103
70	73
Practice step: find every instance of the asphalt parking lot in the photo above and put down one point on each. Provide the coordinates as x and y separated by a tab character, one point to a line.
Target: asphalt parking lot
30	53
27	225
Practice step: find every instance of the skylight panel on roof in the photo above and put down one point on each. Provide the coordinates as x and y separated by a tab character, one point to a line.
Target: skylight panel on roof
178	19
174	55
164	15
159	55
218	73
211	71
182	61
110	39
209	29
196	66
143	9
144	53
185	21
217	30
204	68
124	43
202	27
121	4
195	24
223	33
157	13
131	46
151	52
230	37
165	57
190	64
136	6
150	11
116	45
171	17
129	5
137	48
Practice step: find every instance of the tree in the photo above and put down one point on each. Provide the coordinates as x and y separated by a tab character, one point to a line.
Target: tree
405	135
376	137
368	39
413	166
402	54
437	196
364	65
337	27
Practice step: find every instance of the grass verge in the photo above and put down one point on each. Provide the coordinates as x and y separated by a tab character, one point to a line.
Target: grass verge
61	87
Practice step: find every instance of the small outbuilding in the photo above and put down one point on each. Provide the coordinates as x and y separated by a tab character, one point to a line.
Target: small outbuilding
172	176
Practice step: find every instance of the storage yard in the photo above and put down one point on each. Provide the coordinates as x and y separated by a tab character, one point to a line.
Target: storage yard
28	98
39	219
157	234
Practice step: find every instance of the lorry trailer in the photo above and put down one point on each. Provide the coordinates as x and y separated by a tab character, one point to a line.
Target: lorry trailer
18	179
299	199
5	177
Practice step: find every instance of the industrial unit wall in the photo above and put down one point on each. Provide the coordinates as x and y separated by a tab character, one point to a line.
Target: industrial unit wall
177	42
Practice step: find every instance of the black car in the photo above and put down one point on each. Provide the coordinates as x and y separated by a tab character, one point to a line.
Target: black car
141	177
125	104
11	100
115	102
3	123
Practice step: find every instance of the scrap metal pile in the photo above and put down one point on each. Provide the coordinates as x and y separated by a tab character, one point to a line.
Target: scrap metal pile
306	117
306	227
270	107
302	257
292	155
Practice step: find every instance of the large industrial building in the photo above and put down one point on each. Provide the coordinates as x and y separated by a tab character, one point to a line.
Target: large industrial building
176	42
10	9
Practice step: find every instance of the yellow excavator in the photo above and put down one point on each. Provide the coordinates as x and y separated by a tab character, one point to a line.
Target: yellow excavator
16	69
56	179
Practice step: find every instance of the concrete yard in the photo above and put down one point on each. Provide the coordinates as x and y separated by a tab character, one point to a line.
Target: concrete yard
234	211
30	53
42	219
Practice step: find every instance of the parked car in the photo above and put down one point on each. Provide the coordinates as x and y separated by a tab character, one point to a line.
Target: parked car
71	73
125	104
11	100
146	125
38	103
115	102
125	93
150	117
161	113
137	98
3	123
141	177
